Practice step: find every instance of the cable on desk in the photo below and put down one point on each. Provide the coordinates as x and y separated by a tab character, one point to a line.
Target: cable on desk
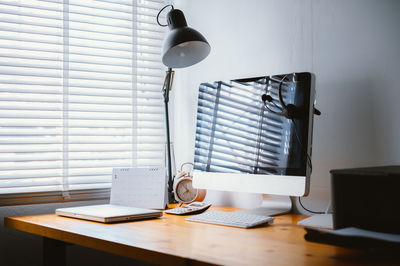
315	212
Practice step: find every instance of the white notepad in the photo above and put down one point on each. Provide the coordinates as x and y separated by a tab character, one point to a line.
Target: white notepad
140	187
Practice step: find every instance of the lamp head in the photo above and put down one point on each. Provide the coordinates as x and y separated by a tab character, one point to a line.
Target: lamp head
183	46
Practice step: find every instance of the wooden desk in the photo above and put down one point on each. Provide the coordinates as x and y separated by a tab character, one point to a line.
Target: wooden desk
171	240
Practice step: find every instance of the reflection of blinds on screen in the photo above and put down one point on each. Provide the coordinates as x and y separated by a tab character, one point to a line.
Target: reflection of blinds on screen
236	133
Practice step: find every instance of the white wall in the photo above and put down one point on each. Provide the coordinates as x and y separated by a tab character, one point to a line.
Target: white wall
353	47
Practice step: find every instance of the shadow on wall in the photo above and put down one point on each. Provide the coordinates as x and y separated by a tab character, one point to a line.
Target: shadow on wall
348	126
349	123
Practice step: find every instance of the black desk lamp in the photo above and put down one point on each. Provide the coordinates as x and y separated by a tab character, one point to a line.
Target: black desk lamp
182	47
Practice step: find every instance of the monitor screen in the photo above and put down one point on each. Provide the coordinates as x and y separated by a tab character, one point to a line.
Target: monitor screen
244	126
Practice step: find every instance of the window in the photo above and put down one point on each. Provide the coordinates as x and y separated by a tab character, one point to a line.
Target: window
80	93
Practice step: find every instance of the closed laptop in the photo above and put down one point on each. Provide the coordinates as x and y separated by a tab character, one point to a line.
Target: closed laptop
109	213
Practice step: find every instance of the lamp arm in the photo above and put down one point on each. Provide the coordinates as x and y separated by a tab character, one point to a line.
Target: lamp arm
166	88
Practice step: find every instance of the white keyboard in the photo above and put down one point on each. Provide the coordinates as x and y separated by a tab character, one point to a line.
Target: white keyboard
236	219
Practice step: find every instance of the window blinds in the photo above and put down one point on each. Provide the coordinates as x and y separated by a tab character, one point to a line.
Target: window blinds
80	93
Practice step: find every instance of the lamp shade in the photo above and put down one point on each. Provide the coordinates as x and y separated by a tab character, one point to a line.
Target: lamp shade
183	46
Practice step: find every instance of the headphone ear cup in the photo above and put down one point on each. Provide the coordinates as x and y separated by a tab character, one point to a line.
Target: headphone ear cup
292	111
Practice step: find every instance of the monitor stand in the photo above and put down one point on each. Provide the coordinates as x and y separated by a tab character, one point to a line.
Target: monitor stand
272	205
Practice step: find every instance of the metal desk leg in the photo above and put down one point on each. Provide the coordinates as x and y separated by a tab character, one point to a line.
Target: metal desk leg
53	252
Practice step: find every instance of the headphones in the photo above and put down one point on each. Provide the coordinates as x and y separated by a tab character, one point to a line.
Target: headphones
290	111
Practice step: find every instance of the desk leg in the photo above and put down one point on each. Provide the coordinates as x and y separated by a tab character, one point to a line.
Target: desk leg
53	252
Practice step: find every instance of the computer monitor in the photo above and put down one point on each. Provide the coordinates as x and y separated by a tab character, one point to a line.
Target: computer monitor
255	135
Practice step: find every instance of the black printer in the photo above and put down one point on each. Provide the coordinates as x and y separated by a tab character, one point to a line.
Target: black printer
367	198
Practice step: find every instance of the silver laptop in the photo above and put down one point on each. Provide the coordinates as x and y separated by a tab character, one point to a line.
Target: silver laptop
109	213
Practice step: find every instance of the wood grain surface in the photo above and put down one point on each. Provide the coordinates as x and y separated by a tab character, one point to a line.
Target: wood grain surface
171	240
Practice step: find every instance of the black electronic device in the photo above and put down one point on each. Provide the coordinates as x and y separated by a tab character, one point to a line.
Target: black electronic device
367	198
